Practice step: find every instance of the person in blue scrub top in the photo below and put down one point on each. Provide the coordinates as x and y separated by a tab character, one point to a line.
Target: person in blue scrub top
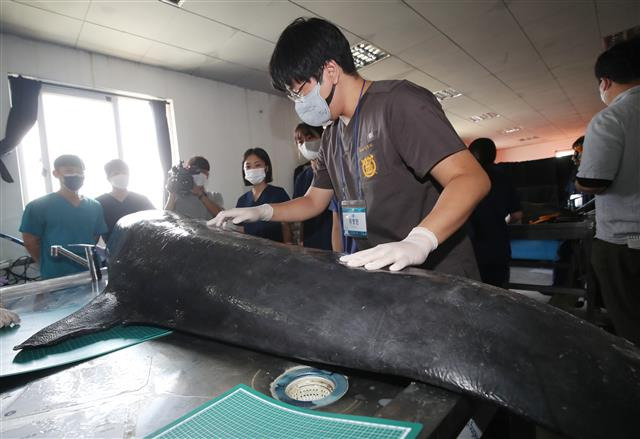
258	173
62	218
325	230
314	232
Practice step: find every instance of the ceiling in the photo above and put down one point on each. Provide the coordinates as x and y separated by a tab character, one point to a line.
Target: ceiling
531	62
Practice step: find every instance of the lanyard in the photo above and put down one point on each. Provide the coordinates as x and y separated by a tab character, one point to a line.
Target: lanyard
355	148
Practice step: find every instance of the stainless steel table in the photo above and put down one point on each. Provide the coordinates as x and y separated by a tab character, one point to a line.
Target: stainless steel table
137	390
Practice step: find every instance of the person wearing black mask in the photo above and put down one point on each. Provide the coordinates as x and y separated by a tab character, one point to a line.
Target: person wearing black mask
61	218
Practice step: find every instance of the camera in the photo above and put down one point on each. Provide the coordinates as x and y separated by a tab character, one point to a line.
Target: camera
180	179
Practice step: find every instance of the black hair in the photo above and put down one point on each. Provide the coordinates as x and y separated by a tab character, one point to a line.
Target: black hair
304	47
262	155
199	162
115	165
68	160
620	63
308	130
484	150
579	141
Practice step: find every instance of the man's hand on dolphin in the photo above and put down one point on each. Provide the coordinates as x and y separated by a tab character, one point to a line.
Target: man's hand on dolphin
239	215
413	250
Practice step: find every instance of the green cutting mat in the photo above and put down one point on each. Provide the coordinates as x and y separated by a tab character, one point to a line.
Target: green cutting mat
69	351
244	413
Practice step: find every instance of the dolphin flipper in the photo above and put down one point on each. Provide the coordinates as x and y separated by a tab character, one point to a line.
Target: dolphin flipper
101	313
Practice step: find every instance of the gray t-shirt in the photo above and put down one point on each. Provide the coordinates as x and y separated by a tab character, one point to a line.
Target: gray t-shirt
402	134
612	152
190	206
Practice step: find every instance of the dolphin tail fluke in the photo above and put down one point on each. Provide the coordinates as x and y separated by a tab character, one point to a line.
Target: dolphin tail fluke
101	313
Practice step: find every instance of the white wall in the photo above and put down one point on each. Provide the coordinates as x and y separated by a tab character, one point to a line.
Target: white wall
213	119
537	151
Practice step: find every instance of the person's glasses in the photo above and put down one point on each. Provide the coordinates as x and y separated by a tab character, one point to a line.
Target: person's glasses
296	95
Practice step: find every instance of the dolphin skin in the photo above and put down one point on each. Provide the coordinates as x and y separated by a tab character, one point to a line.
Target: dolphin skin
537	361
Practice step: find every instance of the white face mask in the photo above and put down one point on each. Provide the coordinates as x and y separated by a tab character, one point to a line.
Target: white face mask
119	181
255	176
200	179
313	109
310	149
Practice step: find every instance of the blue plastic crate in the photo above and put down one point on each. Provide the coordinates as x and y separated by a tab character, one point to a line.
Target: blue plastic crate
535	250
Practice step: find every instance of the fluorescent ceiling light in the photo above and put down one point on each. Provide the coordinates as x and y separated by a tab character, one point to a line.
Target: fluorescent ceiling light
564	153
483	116
447	93
177	3
511	130
365	54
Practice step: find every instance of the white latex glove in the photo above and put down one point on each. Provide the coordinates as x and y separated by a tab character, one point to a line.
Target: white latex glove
8	317
239	215
412	250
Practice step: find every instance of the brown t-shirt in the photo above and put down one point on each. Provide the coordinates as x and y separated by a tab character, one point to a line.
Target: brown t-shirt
402	134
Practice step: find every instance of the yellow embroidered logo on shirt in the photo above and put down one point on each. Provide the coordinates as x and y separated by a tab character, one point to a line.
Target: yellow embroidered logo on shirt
369	167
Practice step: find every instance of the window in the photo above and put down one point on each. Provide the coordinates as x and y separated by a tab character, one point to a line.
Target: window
97	127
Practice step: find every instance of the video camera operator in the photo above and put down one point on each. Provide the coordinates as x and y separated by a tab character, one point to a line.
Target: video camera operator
190	198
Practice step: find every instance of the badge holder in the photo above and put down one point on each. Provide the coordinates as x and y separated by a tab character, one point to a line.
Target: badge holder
354	218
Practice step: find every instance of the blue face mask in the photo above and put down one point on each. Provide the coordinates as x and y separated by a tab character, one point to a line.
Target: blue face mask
73	182
313	109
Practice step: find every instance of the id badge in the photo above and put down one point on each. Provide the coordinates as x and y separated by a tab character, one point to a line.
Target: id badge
354	218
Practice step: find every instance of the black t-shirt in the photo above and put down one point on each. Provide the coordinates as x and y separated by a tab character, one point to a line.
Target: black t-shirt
114	209
489	232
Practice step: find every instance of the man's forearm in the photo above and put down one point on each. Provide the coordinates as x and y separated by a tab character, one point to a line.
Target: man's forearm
300	209
589	190
171	202
34	250
455	204
211	206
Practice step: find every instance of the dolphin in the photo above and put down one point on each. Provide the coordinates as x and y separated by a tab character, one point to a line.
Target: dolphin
537	361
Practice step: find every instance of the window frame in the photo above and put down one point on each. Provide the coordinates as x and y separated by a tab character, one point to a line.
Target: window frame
66	90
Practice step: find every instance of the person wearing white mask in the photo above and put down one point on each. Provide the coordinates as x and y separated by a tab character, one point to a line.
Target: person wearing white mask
62	218
405	181
258	173
609	170
314	232
325	230
199	203
120	201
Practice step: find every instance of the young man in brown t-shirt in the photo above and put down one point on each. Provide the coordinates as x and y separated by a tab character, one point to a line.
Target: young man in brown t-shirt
405	180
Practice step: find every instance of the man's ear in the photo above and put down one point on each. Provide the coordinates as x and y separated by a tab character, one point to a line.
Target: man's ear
606	84
55	173
333	70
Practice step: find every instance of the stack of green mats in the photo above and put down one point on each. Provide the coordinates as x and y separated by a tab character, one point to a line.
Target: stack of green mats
244	413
